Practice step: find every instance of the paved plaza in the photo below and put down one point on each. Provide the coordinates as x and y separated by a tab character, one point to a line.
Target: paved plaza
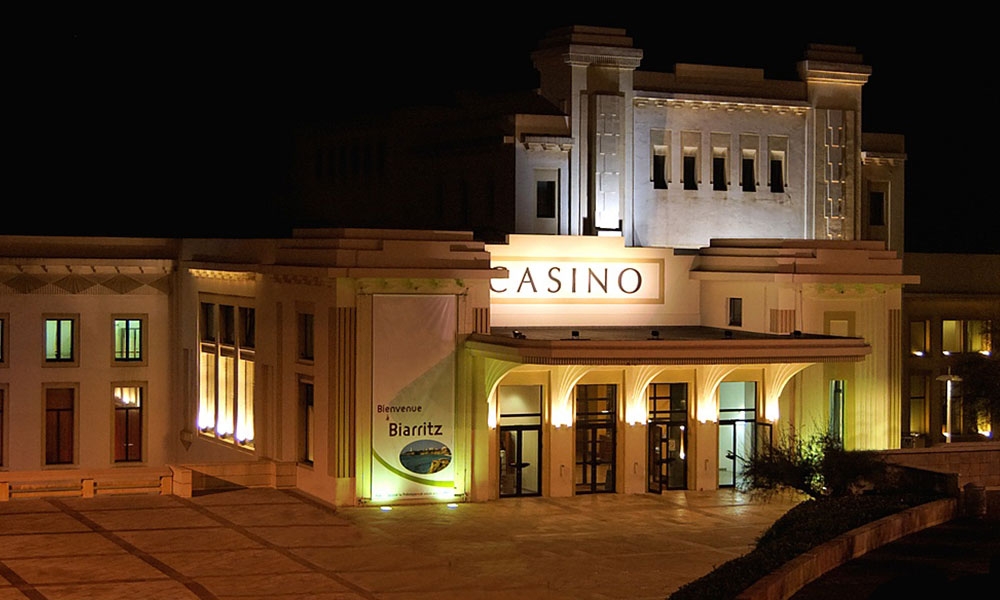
276	545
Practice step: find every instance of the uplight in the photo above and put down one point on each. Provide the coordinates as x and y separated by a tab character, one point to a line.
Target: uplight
385	508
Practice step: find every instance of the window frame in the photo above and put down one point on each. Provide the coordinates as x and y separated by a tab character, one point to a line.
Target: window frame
4	347
75	427
734	317
225	402
143	321
305	336
307	421
115	409
547	191
74	319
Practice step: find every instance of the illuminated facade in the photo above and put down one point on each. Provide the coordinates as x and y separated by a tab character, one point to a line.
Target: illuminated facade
685	266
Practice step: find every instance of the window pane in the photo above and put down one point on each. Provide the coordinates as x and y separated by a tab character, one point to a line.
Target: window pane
545	195
248	328
876	209
244	404
918	337
777	176
719	173
951	336
206	405
128	339
977	336
747	178
690	178
227	393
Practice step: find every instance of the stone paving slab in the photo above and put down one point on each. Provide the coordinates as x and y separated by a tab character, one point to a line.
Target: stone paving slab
280	545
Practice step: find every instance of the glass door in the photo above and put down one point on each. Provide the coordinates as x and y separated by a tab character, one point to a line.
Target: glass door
596	420
737	429
667	431
520	440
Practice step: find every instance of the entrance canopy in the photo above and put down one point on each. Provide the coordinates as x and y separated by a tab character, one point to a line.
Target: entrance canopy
671	345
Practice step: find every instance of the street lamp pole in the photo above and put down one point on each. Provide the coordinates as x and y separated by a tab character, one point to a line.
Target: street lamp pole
948	379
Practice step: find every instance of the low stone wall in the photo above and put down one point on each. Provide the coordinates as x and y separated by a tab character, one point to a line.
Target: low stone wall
972	462
796	573
191	478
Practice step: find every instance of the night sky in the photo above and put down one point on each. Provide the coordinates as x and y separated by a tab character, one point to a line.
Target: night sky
167	123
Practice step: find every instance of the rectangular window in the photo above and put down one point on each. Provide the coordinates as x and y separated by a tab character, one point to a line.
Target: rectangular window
1	427
660	165
3	339
128	339
977	337
919	416
226	373
876	209
545	199
306	334
835	427
777	175
748	179
951	336
206	322
307	424
248	327
736	312
128	423
918	338
60	425
719	173
60	339
690	172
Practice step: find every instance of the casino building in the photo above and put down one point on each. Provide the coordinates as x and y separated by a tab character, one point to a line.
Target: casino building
621	284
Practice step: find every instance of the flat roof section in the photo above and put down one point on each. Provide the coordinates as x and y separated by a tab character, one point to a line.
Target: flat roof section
667	345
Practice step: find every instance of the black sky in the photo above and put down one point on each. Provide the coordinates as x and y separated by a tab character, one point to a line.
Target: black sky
171	112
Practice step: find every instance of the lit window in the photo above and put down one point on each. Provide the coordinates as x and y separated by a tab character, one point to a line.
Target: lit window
918	338
736	312
59	339
226	373
965	336
128	423
128	339
60	426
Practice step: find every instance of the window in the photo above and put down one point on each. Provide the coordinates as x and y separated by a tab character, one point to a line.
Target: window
918	338
690	170
128	339
777	147
876	209
306	335
736	312
777	174
660	166
965	336
128	422
307	423
60	425
546	193
3	340
835	425
1	426
747	173
919	416
719	173
60	339
226	372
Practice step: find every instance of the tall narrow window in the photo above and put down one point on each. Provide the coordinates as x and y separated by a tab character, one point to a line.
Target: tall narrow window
777	174
918	338
60	425
919	414
128	339
226	402
951	336
835	427
545	197
876	209
306	334
690	172
719	173
307	423
59	340
736	312
128	423
3	340
1	427
660	167
747	174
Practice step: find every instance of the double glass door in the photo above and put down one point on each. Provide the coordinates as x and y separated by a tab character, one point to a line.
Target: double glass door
520	440
596	419
667	464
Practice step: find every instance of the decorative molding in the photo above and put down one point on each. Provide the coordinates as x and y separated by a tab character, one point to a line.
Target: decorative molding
224	275
94	284
761	107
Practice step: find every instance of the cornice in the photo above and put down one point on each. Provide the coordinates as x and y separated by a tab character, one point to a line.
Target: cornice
746	106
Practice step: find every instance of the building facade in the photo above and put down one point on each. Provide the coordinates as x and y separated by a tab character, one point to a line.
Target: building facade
624	283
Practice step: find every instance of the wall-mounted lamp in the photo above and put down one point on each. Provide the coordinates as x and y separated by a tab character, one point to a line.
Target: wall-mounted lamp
654	334
575	334
518	335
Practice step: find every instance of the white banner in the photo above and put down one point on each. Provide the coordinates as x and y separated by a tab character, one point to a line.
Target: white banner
413	388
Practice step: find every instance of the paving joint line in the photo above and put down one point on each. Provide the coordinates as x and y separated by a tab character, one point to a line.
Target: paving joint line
192	585
206	511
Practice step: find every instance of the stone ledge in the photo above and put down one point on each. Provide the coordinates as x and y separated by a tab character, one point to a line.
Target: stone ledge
796	573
